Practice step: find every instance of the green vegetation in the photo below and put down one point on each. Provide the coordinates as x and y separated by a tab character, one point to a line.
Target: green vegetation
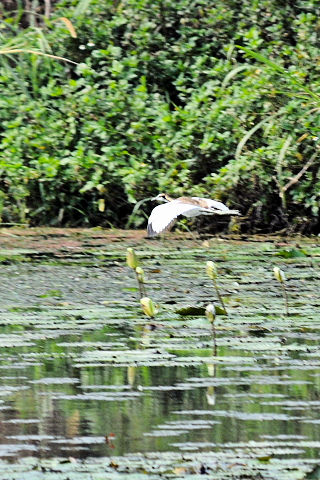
148	307
211	98
133	262
212	273
280	276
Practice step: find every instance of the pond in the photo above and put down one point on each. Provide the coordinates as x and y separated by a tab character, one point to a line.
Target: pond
91	388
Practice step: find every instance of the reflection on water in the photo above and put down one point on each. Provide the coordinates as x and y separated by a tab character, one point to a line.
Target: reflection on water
79	381
53	404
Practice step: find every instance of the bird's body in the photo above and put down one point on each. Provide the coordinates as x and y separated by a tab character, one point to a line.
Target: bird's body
163	216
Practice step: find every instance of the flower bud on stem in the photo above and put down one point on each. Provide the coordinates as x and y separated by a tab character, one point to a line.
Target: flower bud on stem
212	273
280	276
141	281
148	307
211	316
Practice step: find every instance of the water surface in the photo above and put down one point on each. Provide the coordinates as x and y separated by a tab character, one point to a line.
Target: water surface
86	379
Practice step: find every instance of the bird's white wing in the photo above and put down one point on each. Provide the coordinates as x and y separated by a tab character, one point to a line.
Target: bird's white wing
163	216
214	204
217	205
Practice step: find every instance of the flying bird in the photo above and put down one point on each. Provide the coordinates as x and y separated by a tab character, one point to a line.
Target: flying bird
164	216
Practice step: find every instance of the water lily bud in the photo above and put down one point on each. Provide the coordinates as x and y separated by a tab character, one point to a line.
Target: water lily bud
132	259
279	274
211	312
211	270
148	307
140	274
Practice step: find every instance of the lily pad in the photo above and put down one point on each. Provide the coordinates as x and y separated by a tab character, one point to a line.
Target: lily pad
198	310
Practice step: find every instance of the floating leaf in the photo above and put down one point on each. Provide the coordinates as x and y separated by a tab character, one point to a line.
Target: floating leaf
198	310
291	253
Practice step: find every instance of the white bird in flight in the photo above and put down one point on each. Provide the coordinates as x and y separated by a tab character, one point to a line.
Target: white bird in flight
163	216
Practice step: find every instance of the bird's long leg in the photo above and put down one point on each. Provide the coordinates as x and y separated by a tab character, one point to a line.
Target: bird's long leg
185	228
162	238
195	234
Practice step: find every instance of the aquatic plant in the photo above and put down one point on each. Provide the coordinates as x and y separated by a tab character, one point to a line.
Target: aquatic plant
149	307
280	276
132	259
212	273
133	262
211	316
141	281
211	312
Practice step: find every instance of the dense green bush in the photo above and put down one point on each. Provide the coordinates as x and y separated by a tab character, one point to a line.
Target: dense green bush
161	98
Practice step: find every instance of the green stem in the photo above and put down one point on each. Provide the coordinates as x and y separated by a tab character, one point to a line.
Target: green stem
285	296
142	289
219	296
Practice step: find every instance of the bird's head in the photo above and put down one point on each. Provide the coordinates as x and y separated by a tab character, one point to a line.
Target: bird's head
162	197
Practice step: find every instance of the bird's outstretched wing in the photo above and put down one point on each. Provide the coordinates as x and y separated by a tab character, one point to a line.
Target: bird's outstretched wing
224	212
213	204
163	216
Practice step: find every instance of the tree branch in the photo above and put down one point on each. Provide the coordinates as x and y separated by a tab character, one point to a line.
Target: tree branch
297	177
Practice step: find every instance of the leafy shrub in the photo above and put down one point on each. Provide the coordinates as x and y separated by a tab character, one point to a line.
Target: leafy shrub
161	98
